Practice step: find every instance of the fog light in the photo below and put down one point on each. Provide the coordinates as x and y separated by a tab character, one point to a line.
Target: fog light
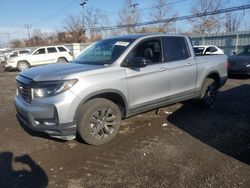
49	123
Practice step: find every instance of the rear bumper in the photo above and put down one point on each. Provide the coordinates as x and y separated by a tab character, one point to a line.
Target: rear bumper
239	72
223	81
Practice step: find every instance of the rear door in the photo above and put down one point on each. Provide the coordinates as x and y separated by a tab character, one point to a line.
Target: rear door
181	66
52	54
147	85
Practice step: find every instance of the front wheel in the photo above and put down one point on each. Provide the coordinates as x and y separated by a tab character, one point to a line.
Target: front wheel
22	65
209	92
98	121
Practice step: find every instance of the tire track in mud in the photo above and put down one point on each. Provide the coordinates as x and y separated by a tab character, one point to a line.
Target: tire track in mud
114	166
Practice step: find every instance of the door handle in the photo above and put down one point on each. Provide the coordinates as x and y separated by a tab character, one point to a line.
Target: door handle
189	64
163	69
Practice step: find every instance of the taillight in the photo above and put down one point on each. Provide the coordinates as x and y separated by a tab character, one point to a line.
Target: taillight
227	64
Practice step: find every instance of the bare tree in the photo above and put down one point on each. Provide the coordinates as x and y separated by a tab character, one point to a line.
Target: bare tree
41	38
16	43
93	20
232	22
209	23
74	30
162	11
129	15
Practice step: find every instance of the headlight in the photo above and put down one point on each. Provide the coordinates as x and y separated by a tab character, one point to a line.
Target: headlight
11	61
248	65
47	89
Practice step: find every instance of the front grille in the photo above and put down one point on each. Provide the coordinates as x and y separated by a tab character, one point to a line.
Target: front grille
24	91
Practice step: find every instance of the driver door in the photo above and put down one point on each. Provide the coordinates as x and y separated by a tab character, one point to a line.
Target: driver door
147	85
40	57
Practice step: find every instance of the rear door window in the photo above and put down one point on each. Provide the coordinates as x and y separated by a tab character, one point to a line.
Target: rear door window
247	51
211	49
176	48
52	50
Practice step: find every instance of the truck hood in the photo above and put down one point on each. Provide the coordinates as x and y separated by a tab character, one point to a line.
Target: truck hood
20	57
57	71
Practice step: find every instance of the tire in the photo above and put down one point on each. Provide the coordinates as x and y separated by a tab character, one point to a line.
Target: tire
62	60
98	121
209	92
22	65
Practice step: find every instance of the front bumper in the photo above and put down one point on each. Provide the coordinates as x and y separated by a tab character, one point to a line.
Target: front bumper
42	117
8	66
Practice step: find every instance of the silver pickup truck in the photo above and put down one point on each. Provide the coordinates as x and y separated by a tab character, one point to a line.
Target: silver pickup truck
113	79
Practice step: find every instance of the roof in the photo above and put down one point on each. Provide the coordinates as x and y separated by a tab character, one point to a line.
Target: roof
136	36
203	46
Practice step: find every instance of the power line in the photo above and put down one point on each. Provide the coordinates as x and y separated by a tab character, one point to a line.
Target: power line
220	11
147	8
52	15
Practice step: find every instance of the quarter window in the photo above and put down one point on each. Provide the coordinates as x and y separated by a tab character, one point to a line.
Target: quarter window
23	52
61	49
176	48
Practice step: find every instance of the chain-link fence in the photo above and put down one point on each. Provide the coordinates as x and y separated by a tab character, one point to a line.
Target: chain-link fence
229	42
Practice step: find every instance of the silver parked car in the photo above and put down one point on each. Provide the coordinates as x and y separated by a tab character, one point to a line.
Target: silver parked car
113	79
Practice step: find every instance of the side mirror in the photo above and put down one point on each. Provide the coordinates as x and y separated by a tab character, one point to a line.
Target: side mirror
234	53
137	62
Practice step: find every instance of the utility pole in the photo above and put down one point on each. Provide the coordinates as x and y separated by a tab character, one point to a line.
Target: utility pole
134	5
83	2
133	11
28	27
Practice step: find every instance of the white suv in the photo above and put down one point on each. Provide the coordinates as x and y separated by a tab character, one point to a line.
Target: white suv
40	56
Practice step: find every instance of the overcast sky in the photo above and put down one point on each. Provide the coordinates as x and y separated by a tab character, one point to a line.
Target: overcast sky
48	15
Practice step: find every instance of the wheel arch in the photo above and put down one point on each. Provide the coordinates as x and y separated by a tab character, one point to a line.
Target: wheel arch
115	96
214	75
62	57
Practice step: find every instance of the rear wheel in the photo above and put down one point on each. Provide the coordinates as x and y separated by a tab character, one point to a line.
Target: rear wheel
209	92
98	121
62	60
22	65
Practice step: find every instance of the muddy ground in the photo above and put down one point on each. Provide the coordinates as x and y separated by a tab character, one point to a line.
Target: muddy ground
184	145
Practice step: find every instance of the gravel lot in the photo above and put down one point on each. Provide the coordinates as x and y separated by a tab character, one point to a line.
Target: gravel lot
182	145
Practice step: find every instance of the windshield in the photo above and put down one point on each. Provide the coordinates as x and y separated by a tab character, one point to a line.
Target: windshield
15	54
103	52
243	51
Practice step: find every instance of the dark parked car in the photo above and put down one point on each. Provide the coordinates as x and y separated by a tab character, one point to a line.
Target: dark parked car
239	63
